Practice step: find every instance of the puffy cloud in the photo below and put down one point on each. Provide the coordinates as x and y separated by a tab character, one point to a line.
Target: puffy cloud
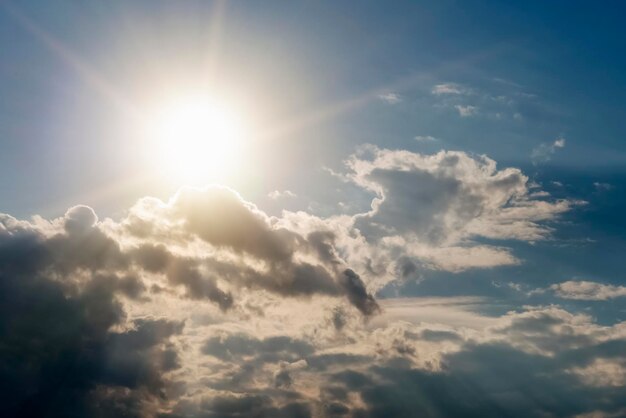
66	346
87	317
236	242
429	211
205	306
586	290
93	336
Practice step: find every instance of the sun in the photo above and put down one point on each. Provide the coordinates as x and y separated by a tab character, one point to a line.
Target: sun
198	139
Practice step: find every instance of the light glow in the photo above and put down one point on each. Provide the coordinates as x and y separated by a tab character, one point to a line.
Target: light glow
198	140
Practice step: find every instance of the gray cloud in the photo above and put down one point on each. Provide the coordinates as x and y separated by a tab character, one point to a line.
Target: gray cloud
58	346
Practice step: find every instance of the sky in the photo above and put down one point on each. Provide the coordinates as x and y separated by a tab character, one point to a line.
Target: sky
312	209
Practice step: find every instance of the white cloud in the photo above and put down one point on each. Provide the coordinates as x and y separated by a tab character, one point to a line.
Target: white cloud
586	290
465	111
277	194
448	88
427	211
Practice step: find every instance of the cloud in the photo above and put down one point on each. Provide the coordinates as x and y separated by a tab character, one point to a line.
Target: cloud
543	153
67	347
69	284
541	361
586	290
603	186
431	208
276	194
425	138
467	110
111	317
448	88
205	306
242	246
497	101
390	98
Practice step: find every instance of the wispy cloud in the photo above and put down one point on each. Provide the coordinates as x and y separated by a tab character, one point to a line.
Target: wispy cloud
448	88
465	111
586	290
277	194
390	98
603	187
425	138
543	153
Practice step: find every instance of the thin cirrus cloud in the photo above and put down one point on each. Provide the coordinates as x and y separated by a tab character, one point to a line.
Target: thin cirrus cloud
425	138
448	88
390	98
278	194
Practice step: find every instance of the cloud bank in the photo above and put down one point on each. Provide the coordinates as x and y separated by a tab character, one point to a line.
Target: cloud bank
205	306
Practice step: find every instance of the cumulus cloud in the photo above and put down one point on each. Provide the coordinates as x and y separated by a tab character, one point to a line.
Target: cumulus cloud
586	290
544	152
241	246
205	306
67	347
71	337
432	209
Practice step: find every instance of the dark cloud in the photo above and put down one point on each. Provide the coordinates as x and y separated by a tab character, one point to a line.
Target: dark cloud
270	349
253	406
355	289
58	352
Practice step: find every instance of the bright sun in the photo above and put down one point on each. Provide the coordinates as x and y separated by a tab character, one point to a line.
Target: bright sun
198	139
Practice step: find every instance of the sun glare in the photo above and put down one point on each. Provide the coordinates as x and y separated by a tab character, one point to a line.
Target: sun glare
198	139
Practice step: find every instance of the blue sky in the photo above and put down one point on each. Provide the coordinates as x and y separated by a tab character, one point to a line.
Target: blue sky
425	179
